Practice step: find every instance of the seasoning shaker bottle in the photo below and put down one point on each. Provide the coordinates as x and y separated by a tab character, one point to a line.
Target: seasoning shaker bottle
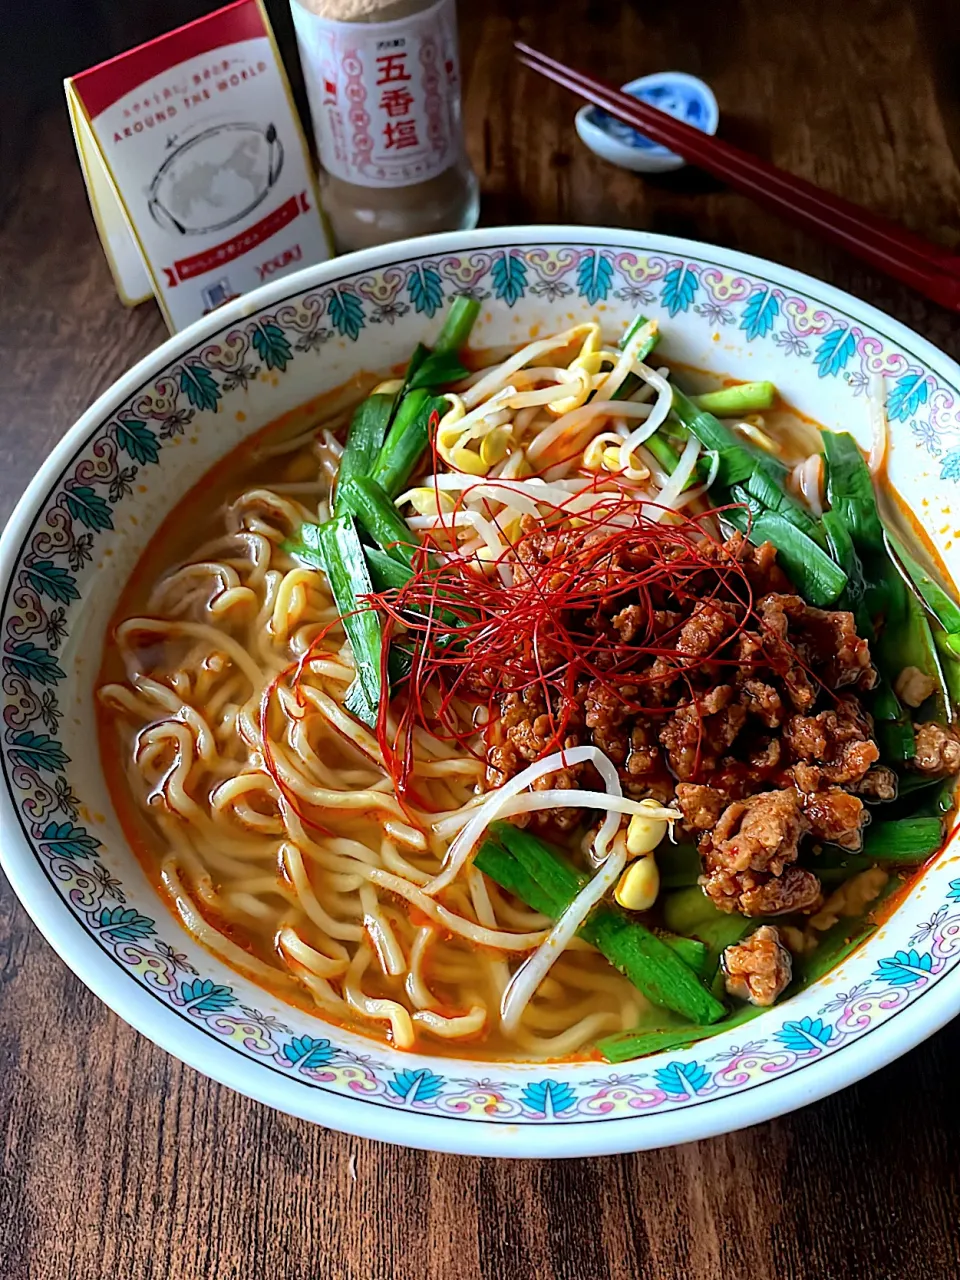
383	84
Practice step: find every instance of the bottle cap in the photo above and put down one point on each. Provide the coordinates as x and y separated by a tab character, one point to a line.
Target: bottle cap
678	94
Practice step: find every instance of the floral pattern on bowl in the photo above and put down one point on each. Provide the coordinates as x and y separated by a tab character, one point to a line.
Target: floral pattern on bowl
116	474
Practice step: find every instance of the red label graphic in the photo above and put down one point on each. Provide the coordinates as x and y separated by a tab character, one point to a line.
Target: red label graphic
279	262
103	85
211	259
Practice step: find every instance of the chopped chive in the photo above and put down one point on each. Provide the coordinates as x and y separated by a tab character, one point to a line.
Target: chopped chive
663	451
844	553
762	493
896	740
365	437
380	518
501	866
436	371
632	382
456	328
420	353
679	865
850	489
814	574
341	554
648	961
386	571
406	440
834	946
626	1045
903	840
691	951
739	461
940	604
738	400
650	964
949	664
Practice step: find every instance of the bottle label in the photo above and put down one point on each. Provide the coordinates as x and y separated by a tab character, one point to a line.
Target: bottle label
385	96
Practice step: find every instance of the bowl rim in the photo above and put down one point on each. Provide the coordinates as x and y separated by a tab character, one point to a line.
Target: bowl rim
62	930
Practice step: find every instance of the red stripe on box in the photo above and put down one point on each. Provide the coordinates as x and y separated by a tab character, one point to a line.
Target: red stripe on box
103	85
211	259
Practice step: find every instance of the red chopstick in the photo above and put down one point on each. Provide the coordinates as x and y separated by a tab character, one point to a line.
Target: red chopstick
928	268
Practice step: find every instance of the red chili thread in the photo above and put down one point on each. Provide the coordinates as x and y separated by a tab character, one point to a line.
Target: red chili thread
475	638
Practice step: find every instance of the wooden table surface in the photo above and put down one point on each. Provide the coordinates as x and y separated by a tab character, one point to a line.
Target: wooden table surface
118	1162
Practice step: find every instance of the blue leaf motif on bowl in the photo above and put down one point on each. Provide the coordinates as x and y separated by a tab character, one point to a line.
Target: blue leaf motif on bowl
834	351
907	396
950	465
64	840
905	968
594	276
33	663
954	894
802	1036
52	580
682	1079
38	751
759	314
509	276
307	1053
680	286
271	345
199	386
137	441
549	1097
88	507
125	924
416	1086
426	290
346	313
206	996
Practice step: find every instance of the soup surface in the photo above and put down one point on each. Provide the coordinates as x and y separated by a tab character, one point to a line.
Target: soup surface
463	713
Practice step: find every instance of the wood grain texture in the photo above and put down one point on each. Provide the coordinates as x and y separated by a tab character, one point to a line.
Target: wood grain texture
116	1161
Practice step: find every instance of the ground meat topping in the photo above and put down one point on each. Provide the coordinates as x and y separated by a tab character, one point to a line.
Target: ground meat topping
701	806
748	718
760	833
711	622
520	736
753	842
834	746
758	969
879	783
797	890
938	750
825	642
699	731
607	711
836	816
763	701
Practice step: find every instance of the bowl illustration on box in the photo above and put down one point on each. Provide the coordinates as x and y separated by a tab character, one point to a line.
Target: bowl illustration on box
216	178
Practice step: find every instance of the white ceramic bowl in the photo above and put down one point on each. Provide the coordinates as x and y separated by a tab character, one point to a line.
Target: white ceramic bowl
85	518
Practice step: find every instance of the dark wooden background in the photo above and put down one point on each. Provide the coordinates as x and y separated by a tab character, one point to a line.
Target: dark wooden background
118	1163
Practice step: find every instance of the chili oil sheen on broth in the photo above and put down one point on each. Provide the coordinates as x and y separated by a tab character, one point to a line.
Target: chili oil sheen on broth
527	704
